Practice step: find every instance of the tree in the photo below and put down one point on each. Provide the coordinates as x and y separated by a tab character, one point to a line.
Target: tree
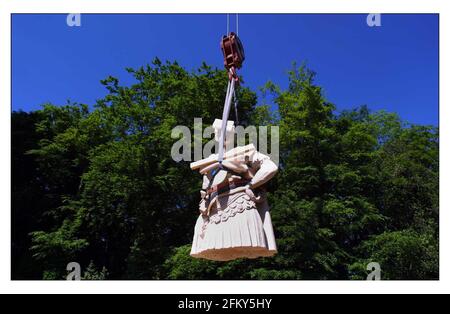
121	197
99	187
28	200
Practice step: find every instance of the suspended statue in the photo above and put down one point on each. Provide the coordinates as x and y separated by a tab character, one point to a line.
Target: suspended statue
234	219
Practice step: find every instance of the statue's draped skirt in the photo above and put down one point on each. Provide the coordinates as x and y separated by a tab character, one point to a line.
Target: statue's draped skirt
236	227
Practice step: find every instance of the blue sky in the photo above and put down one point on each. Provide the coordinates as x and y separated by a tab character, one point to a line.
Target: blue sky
393	67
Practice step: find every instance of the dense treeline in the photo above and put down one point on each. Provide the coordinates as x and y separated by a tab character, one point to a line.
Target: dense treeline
99	186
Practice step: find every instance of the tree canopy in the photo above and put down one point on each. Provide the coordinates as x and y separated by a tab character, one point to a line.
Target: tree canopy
98	185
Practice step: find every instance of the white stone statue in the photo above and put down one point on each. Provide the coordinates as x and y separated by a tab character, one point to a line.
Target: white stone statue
234	219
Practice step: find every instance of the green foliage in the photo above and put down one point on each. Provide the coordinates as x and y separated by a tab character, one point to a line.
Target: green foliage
92	273
182	266
402	254
54	249
100	188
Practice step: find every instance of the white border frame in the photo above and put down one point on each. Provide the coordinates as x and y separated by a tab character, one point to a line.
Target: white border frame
218	6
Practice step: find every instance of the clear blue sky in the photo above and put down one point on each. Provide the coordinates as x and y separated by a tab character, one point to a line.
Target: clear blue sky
392	67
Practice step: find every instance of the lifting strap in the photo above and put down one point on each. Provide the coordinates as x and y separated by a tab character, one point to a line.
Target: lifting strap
225	114
233	55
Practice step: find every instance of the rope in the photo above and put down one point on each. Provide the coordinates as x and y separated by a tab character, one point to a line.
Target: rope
237	24
236	108
225	115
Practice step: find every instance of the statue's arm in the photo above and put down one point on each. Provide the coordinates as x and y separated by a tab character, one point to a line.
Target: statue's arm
266	171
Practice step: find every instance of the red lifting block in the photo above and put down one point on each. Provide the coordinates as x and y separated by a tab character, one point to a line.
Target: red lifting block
233	51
